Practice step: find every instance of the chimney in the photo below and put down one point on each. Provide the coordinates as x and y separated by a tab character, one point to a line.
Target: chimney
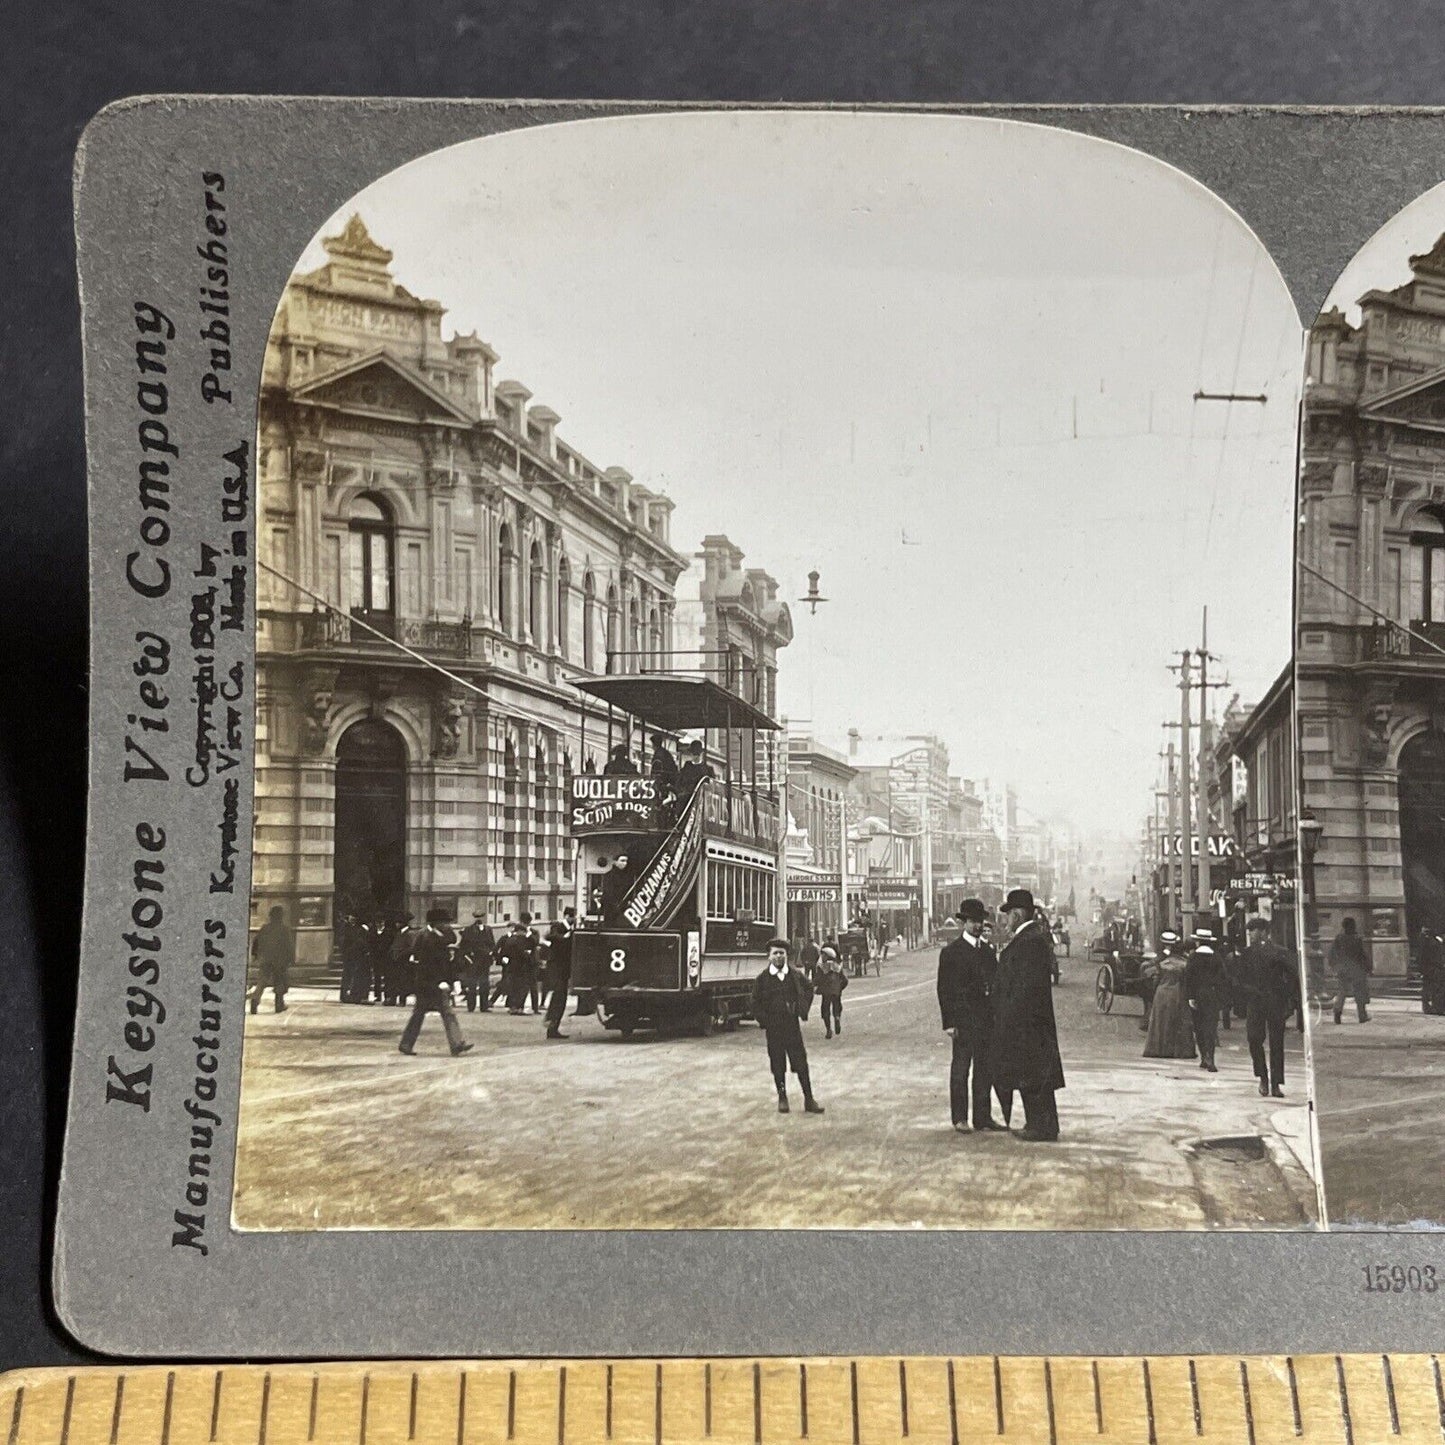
853	738
516	396
545	420
621	478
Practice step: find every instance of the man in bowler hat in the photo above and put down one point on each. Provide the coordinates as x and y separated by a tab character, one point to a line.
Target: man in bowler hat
432	970
1026	1039
966	968
1269	978
781	998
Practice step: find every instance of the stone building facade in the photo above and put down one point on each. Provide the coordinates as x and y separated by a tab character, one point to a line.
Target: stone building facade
1371	613
414	511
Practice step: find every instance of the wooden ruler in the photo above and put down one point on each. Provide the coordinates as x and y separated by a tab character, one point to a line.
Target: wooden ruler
1163	1400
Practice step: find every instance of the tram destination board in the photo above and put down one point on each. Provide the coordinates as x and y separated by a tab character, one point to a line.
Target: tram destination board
612	958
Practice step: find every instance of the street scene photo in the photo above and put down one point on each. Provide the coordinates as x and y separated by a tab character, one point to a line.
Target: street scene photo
843	775
1371	708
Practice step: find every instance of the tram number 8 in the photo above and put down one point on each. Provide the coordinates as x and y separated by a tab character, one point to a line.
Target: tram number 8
618	961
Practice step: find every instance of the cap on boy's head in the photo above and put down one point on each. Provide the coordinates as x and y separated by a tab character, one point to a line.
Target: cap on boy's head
437	915
695	747
778	943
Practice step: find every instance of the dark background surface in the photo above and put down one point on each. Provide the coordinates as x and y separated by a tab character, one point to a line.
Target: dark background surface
61	63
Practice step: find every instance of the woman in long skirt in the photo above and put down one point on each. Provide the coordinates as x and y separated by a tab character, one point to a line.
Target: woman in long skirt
1171	1030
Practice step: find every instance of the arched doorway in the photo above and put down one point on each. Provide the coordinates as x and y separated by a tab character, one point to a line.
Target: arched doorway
370	820
1422	830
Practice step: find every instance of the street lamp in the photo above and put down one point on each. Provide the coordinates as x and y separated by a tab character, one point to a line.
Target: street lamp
1310	830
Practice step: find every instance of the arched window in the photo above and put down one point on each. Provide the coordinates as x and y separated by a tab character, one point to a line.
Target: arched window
654	638
506	577
614	629
589	623
536	622
564	586
373	579
1427	567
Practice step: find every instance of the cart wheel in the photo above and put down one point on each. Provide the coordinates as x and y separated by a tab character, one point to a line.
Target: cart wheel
1104	989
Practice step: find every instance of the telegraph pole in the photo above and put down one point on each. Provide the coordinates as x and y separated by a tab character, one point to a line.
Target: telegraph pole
1171	829
1201	810
1186	793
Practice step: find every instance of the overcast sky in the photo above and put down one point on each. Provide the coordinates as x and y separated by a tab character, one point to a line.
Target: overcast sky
950	363
1383	262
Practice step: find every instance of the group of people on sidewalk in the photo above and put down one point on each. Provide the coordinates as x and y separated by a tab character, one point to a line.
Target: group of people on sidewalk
1199	984
998	1008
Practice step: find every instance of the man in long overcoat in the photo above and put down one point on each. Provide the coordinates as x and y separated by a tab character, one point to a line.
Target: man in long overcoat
1026	1039
274	949
780	1002
1269	978
476	949
966	968
433	959
1351	965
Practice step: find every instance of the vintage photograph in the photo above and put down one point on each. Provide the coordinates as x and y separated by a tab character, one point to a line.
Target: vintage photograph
1371	684
774	689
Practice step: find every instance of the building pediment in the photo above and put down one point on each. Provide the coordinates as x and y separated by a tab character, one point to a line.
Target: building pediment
1421	403
378	384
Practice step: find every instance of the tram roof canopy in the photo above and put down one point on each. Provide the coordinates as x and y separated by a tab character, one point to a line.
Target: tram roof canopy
674	701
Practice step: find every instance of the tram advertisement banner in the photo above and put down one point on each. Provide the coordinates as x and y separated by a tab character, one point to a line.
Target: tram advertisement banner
603	804
670	876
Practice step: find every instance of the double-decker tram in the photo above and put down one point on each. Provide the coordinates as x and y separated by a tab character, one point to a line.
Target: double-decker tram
678	876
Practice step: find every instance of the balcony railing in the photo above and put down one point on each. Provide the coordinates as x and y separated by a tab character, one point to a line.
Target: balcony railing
1381	641
320	630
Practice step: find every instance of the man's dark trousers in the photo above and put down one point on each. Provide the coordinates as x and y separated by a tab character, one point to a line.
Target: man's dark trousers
1041	1112
561	984
970	1049
785	1050
432	998
1261	1024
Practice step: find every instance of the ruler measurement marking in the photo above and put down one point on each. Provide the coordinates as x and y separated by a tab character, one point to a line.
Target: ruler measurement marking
1390	1394
1344	1400
119	1406
166	1413
1405	1401
70	1405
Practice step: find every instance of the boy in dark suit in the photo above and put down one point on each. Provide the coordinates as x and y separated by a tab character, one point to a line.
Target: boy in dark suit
780	1003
